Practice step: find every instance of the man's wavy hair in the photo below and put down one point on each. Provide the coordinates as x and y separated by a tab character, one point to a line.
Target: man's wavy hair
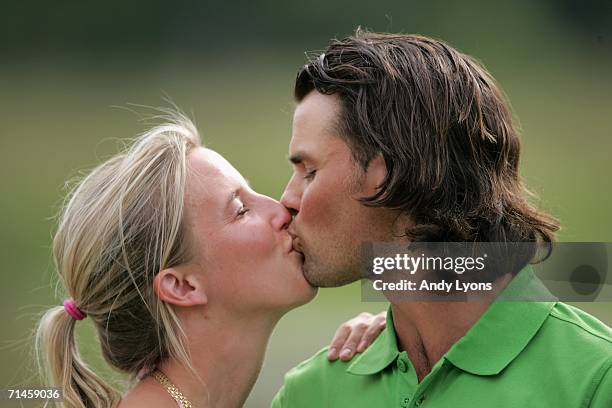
444	129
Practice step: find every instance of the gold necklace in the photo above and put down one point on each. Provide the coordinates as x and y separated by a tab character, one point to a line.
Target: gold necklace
172	389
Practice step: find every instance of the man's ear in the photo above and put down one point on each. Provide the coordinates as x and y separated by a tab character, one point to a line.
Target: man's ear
375	174
180	287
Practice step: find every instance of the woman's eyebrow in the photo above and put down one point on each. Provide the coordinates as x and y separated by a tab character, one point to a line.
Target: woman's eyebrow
232	196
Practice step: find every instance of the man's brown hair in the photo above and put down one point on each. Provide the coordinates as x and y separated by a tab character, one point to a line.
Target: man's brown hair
444	129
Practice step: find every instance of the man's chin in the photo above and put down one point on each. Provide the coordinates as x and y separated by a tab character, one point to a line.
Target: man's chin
320	278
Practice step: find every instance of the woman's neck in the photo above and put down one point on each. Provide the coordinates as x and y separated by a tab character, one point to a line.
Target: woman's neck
227	355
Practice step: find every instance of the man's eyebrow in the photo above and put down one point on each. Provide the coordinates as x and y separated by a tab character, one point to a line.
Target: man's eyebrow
298	158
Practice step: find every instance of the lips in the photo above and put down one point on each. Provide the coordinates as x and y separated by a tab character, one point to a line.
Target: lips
289	245
296	245
295	241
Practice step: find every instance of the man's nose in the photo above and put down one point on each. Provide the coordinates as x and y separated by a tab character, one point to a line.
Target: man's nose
291	197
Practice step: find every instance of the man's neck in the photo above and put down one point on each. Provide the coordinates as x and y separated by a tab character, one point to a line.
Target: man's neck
427	330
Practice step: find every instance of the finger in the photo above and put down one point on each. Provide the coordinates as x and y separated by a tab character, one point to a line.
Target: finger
350	346
371	334
337	342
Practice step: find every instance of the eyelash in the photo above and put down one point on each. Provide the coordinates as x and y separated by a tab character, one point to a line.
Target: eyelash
310	174
243	210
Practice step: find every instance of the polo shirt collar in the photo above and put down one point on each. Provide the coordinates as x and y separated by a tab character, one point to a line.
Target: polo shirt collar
505	328
380	354
496	339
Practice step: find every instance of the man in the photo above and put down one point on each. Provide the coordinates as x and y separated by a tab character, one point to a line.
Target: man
403	138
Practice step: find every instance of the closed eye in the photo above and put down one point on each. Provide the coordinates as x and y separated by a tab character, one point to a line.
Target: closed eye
309	175
243	210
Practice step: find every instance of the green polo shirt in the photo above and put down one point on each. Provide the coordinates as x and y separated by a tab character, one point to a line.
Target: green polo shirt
518	354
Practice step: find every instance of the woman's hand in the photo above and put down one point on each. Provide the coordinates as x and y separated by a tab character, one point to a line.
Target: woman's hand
356	335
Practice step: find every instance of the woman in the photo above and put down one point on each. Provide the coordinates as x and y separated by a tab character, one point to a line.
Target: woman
184	271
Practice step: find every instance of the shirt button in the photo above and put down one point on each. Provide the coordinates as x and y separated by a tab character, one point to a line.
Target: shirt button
401	365
404	402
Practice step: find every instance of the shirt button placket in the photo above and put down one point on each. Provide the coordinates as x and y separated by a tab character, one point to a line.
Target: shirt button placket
403	367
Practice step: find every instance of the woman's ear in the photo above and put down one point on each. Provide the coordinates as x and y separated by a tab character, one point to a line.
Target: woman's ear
180	287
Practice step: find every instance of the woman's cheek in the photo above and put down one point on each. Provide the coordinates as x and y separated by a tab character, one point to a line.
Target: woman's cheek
252	243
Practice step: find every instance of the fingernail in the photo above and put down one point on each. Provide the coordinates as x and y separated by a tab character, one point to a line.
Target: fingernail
331	353
346	353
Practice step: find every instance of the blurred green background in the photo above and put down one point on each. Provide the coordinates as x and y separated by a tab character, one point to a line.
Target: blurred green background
66	65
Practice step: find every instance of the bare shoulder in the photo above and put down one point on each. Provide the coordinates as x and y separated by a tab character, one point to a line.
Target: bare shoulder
146	394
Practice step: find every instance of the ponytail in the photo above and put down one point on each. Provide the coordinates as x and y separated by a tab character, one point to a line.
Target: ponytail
60	364
120	226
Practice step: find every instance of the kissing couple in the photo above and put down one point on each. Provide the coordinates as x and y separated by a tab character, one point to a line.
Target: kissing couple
184	270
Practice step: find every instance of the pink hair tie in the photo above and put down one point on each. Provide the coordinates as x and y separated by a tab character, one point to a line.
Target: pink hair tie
73	310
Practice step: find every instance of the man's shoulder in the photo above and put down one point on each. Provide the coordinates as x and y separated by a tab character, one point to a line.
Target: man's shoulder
580	344
575	340
317	369
312	381
581	327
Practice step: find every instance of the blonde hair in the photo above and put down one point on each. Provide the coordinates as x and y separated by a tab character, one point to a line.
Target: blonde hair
122	224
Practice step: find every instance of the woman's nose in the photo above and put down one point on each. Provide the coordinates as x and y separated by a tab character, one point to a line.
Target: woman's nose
280	216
